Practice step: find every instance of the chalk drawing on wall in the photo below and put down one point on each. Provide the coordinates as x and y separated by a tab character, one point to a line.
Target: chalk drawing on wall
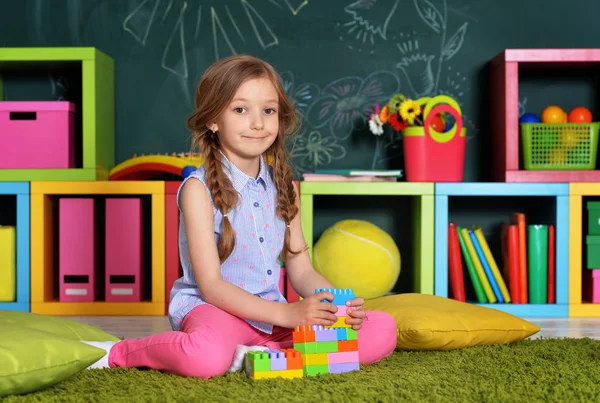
311	150
369	19
220	19
344	104
302	95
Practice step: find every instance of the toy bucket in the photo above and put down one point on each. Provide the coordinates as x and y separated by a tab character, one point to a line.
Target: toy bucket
431	156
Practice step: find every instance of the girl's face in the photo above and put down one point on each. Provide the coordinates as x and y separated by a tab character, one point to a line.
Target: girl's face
250	123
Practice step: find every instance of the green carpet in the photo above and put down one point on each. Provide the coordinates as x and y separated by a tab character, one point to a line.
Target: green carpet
565	370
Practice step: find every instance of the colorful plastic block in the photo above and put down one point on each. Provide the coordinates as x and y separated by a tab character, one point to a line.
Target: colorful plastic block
313	370
344	367
340	295
324	334
347	345
286	363
303	334
343	357
340	323
315	359
341	310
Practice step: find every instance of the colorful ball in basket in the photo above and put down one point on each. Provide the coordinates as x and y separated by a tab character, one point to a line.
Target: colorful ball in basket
359	255
433	156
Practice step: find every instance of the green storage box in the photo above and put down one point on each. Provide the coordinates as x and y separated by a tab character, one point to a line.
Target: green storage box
593	251
593	218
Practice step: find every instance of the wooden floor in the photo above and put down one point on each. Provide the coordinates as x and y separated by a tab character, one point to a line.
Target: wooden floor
141	326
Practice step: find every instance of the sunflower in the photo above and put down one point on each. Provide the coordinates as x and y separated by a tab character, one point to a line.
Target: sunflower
409	110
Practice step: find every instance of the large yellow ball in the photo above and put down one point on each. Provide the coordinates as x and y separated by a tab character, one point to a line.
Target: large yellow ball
359	255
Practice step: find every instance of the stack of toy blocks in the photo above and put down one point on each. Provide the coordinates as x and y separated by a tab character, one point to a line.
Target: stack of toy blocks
329	349
286	363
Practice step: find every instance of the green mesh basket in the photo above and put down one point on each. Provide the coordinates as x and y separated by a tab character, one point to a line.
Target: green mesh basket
556	146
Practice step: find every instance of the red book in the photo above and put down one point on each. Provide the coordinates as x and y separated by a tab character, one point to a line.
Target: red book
455	269
551	265
519	220
509	241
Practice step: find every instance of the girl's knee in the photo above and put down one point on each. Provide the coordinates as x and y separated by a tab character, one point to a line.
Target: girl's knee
378	337
205	360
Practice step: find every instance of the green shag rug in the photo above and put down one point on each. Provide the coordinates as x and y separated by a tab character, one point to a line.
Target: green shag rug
542	370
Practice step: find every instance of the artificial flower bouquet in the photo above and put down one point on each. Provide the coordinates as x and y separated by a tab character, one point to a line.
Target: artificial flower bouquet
401	112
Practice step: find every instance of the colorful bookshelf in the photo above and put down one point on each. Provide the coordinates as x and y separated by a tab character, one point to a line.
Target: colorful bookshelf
44	273
499	199
506	70
578	195
95	73
422	195
20	210
172	264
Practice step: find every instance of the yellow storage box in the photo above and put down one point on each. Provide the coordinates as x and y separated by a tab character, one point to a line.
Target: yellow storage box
8	264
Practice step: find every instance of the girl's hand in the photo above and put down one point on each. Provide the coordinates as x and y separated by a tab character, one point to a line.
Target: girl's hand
356	313
311	311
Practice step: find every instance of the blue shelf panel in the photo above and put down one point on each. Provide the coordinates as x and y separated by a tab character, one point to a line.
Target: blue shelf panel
532	310
501	189
14	188
21	190
14	306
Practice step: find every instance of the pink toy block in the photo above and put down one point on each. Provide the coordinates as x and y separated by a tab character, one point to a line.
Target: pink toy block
76	250
37	135
343	357
341	310
592	286
124	250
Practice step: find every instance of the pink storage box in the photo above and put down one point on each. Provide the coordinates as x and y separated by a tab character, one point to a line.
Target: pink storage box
37	135
592	286
76	250
124	249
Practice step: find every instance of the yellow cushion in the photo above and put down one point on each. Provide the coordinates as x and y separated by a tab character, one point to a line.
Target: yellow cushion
428	322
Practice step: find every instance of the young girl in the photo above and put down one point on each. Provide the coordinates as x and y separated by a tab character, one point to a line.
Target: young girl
239	214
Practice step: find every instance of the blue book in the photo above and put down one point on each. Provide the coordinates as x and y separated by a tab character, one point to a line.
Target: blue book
486	267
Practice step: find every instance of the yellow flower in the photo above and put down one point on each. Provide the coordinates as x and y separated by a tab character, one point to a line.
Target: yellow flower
409	110
384	114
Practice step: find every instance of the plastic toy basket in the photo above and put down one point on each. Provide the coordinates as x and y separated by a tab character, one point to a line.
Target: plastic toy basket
559	146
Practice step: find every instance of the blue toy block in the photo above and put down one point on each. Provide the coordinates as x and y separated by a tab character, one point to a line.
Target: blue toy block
340	295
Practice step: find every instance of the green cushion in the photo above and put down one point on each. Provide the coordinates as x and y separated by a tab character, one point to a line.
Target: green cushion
58	326
33	359
38	351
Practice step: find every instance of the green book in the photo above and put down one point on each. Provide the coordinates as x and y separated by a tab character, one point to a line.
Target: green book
537	263
479	293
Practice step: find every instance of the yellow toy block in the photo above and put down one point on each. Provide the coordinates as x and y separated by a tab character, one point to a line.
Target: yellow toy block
286	374
44	244
315	359
8	264
340	322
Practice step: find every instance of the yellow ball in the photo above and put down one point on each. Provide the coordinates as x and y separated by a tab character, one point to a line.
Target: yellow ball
359	255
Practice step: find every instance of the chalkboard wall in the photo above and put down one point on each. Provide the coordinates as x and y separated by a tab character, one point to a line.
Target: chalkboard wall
337	58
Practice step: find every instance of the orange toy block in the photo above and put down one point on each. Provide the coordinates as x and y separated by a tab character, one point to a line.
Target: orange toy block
347	345
303	334
293	358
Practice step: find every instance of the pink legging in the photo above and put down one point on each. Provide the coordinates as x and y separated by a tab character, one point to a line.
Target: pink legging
209	336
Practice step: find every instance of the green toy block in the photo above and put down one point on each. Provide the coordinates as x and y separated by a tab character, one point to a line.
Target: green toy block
97	109
306	348
351	334
258	361
327	347
313	370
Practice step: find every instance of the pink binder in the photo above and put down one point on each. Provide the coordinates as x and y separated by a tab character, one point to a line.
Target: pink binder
76	250
124	250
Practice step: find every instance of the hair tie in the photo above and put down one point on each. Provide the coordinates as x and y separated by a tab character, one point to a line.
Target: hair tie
225	215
